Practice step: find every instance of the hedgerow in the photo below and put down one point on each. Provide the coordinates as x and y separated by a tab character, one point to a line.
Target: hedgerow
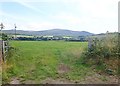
104	53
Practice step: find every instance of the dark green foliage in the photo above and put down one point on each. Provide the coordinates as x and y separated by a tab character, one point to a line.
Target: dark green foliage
4	37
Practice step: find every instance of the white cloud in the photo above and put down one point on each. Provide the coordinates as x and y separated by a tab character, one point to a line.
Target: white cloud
99	15
95	16
40	26
99	8
11	16
66	18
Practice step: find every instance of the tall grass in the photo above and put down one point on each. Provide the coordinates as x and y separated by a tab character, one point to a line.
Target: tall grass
104	54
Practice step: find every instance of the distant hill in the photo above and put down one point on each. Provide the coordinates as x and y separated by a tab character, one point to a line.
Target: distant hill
53	32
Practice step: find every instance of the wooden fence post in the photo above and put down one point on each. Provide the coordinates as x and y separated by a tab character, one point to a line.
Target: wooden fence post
4	49
90	42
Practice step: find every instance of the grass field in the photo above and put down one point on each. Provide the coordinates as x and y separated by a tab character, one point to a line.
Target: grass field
46	62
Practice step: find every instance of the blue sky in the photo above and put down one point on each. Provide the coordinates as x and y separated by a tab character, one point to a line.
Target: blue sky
96	16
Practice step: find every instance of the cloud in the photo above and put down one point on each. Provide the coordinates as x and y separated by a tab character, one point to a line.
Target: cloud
43	25
12	17
99	8
66	18
29	6
90	15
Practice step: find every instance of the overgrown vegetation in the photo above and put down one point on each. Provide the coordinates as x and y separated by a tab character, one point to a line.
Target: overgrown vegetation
103	54
4	37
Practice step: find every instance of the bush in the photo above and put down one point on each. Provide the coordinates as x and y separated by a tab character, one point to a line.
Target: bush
4	37
102	50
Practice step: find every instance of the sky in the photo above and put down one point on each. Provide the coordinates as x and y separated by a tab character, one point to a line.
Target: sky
95	16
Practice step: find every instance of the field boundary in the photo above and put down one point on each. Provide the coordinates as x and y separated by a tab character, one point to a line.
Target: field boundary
4	46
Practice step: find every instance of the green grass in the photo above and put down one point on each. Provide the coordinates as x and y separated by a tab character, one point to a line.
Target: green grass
38	60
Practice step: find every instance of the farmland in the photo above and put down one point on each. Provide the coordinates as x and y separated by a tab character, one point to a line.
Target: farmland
34	62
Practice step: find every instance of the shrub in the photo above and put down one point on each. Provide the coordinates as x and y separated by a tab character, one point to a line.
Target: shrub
102	50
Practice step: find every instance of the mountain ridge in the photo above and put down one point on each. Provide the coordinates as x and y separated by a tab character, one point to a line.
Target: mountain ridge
53	32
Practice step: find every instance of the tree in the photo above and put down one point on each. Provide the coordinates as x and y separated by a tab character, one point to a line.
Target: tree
4	37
